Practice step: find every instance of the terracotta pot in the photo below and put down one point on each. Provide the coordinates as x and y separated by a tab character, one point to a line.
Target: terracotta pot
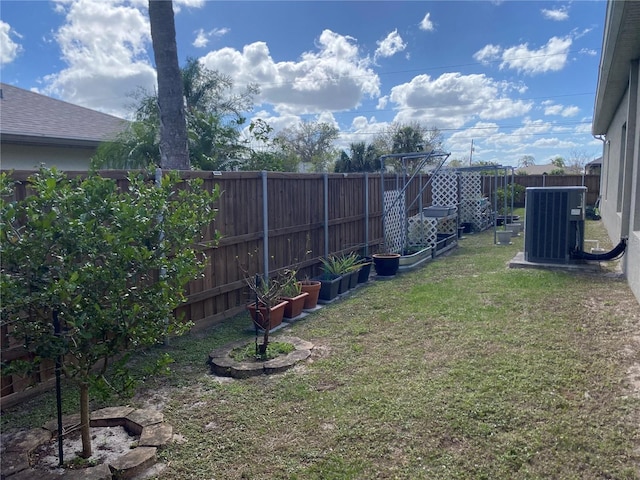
275	316
312	287
294	305
386	264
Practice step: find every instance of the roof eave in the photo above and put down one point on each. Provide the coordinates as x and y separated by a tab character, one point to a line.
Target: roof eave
620	45
41	141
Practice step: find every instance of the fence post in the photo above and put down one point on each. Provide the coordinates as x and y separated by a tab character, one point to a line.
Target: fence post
366	214
265	225
325	180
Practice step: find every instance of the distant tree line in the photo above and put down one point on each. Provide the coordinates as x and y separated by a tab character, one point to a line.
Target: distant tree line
219	138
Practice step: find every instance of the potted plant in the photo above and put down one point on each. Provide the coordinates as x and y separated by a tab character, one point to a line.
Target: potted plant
312	287
350	267
292	293
365	269
386	264
332	275
344	266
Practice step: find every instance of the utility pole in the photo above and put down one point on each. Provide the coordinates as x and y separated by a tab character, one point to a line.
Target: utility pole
471	153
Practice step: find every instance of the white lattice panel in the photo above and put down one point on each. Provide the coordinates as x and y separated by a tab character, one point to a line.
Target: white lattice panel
474	208
470	192
477	212
445	188
422	231
448	225
394	220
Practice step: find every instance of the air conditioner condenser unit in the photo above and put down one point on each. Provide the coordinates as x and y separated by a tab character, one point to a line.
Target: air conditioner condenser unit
554	223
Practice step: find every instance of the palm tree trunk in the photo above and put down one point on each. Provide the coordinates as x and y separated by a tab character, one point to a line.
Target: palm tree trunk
174	153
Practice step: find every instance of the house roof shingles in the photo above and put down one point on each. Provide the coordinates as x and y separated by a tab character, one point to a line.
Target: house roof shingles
28	117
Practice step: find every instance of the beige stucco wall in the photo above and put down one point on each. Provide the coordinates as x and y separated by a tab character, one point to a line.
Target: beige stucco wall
620	180
28	157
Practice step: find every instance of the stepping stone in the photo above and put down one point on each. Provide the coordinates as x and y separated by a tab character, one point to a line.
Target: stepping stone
134	462
99	472
156	435
14	462
27	441
110	416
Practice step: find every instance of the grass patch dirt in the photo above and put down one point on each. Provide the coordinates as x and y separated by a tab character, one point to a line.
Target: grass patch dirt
463	369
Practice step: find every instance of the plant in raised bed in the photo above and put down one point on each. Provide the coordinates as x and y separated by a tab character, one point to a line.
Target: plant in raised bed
292	293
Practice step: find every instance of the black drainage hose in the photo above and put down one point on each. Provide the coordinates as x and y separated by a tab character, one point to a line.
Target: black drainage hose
617	252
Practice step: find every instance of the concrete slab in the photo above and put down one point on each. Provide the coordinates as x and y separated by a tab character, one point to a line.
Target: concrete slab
579	266
295	319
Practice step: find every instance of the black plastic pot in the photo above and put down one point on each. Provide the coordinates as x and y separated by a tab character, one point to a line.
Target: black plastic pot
386	264
365	270
329	287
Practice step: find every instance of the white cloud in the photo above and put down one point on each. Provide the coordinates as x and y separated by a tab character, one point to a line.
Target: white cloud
104	65
558	14
202	37
190	3
551	108
333	78
9	49
426	23
201	40
576	34
589	51
551	57
570	111
453	99
488	53
460	142
391	45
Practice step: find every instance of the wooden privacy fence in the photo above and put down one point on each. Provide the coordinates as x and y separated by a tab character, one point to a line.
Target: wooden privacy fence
592	182
270	221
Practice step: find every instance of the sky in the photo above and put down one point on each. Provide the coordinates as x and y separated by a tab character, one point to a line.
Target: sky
512	78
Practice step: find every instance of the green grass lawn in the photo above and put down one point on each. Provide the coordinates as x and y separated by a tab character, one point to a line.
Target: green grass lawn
463	369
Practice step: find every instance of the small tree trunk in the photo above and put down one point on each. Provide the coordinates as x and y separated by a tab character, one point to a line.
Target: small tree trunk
265	339
84	420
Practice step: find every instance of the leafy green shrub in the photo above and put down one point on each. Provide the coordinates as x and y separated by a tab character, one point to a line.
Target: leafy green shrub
107	267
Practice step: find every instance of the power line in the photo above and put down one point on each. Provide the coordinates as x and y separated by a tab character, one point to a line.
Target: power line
498	127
